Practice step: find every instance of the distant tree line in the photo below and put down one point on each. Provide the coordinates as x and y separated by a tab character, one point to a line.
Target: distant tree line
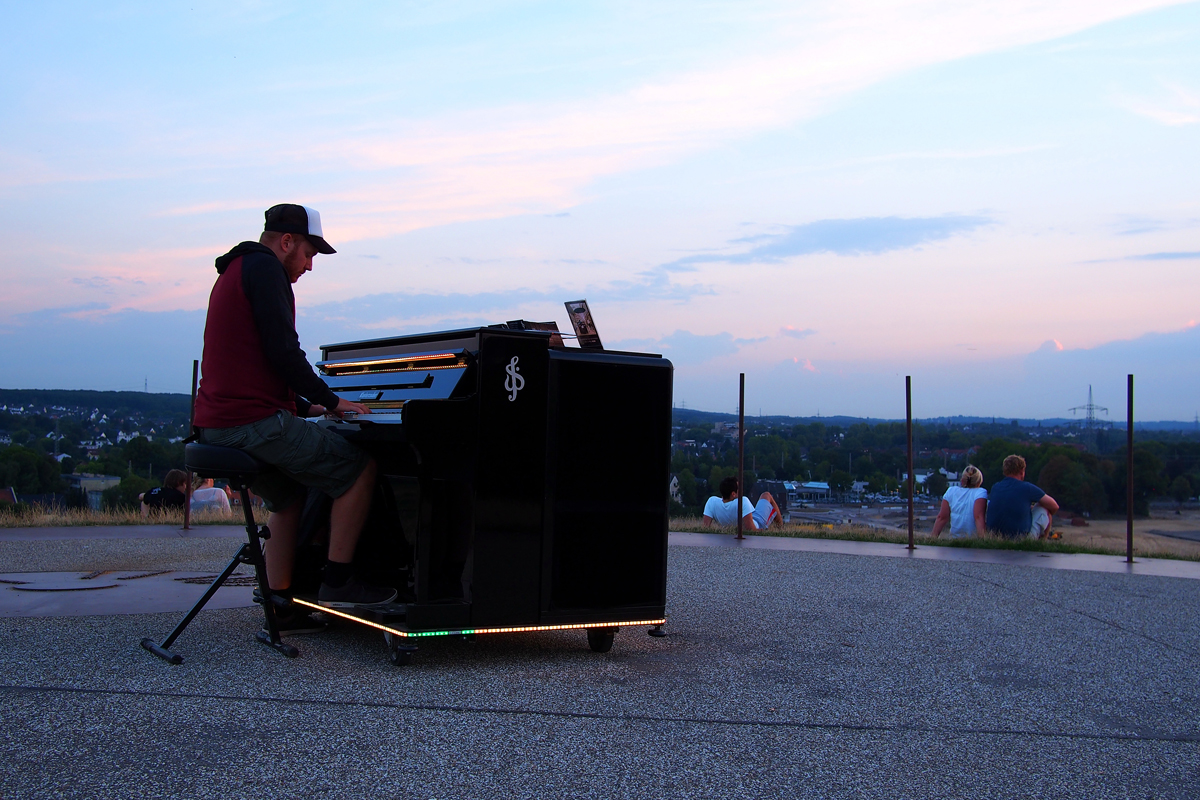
112	403
1165	464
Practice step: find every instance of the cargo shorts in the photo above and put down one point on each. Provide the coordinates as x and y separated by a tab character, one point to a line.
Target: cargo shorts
301	453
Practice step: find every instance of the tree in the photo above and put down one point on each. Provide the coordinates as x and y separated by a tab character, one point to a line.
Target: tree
1070	483
687	487
1148	480
1181	490
29	472
125	494
716	475
841	481
936	484
881	483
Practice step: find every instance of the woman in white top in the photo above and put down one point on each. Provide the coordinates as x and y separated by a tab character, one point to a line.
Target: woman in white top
964	507
207	497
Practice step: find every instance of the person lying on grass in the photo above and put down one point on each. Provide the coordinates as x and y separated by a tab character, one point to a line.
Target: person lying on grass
756	517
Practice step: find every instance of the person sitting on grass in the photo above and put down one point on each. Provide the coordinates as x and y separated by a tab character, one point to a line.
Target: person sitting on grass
756	517
207	497
1017	509
964	507
169	495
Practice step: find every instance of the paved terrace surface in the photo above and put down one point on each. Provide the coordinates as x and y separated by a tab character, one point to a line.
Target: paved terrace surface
786	673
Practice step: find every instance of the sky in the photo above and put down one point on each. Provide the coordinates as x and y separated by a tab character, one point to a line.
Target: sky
997	198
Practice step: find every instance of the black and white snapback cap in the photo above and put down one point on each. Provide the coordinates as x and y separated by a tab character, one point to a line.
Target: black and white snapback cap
291	218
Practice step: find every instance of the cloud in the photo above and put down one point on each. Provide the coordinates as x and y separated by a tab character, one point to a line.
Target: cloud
788	330
402	311
1168	256
687	348
844	237
1173	105
517	152
1167	373
1165	256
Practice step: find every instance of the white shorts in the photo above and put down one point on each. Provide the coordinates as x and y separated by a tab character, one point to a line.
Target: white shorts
763	514
1041	521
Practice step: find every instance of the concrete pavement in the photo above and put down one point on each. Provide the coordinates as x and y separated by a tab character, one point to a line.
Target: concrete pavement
786	673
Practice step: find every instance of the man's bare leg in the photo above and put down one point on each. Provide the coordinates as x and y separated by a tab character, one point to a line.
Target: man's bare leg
280	549
348	515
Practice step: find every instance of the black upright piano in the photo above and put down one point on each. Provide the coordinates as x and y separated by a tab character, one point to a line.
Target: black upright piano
523	485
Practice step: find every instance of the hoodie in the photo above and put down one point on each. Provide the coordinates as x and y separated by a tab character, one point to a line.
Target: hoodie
252	365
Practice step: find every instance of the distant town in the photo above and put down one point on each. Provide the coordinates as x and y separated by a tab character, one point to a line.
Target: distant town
101	449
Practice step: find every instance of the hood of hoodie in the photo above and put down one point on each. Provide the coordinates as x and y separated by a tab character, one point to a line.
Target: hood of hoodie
242	249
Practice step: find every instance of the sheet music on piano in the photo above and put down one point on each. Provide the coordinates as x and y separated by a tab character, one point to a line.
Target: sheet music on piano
585	328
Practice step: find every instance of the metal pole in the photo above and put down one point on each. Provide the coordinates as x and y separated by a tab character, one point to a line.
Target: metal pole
1129	475
187	488
911	478
741	451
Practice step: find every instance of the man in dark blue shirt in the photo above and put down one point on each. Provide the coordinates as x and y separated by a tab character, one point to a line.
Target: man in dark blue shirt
1017	509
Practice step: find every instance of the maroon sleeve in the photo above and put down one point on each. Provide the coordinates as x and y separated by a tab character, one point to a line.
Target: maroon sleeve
270	294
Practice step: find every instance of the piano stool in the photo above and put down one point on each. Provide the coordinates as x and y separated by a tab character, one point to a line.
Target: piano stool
239	468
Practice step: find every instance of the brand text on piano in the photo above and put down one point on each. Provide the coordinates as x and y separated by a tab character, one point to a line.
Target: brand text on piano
514	382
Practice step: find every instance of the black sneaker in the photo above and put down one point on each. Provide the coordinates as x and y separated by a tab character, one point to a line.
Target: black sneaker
285	594
297	624
355	595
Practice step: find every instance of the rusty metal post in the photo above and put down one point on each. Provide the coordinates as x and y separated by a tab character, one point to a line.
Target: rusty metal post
187	489
1129	473
912	481
741	452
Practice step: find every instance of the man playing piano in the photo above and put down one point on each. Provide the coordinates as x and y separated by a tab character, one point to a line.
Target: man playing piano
256	389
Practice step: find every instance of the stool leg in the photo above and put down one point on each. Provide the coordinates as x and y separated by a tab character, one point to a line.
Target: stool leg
161	650
269	637
249	553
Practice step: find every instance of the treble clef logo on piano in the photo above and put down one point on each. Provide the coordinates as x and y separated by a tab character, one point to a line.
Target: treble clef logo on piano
514	382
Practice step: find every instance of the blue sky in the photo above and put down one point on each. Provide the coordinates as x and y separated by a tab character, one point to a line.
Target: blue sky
825	196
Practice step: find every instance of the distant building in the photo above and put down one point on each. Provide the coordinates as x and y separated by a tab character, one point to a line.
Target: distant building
809	491
93	486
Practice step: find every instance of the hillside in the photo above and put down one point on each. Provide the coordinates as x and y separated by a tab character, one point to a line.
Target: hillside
112	403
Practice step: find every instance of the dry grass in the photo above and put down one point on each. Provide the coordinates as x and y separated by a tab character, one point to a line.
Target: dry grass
863	533
38	517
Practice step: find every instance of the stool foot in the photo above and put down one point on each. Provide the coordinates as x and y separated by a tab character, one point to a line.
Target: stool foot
282	647
162	652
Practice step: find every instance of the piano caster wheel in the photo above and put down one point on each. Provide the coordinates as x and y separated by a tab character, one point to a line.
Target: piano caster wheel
399	654
601	639
656	632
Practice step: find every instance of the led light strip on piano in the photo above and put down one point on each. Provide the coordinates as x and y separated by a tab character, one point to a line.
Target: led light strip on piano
365	367
466	631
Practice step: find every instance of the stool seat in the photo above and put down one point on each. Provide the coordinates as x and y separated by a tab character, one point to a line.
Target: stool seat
212	461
